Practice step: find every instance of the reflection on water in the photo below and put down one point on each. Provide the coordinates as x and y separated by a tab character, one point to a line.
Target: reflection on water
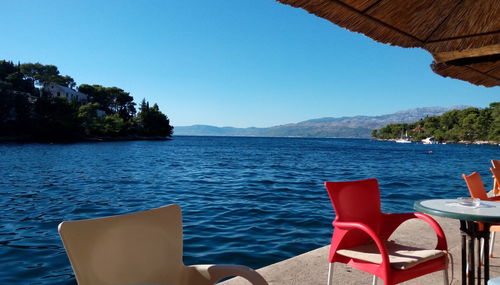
251	201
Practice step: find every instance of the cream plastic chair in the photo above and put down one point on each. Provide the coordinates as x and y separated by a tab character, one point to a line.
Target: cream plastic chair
139	248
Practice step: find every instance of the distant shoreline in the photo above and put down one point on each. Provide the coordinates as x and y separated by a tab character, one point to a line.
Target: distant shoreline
27	139
301	137
451	142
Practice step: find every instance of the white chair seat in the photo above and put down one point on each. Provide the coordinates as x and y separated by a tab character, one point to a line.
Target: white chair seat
400	256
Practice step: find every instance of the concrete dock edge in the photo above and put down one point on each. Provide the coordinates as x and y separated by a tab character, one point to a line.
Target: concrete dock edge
311	268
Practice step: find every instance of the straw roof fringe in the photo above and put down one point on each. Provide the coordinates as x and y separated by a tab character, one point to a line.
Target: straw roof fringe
486	74
445	28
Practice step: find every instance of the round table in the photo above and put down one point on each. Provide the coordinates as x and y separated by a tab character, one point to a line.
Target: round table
486	213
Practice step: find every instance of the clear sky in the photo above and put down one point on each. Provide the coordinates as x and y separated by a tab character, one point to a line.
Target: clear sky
235	63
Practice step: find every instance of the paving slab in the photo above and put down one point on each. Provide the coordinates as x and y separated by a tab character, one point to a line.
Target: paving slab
311	268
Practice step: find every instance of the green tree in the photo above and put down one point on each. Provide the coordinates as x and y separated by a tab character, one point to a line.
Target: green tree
494	129
56	119
122	103
42	75
89	117
97	94
113	100
6	107
15	113
430	125
50	118
114	126
449	119
469	124
152	122
6	68
19	83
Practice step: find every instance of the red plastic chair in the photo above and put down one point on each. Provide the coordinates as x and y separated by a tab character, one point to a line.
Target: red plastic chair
360	222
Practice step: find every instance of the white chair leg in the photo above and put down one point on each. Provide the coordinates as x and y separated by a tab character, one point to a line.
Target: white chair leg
492	242
330	274
445	276
374	280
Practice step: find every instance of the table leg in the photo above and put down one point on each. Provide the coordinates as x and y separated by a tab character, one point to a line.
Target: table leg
478	261
464	232
472	257
486	253
464	258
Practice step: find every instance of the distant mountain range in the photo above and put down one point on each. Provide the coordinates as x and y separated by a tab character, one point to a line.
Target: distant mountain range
343	127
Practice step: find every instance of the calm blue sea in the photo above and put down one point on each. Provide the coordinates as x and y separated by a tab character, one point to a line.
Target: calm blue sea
251	201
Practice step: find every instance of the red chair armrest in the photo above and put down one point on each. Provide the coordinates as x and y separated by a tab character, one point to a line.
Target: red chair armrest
393	221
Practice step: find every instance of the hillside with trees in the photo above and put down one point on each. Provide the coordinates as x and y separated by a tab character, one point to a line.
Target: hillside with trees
468	125
29	112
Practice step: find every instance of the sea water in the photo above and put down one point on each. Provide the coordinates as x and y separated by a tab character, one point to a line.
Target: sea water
245	200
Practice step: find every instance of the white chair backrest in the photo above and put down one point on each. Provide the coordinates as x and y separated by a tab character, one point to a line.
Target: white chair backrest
138	248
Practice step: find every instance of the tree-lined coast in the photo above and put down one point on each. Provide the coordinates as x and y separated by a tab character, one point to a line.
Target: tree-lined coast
35	107
468	125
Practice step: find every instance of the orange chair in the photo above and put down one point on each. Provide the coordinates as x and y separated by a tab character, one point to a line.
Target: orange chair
476	187
360	237
477	190
496	174
496	182
495	163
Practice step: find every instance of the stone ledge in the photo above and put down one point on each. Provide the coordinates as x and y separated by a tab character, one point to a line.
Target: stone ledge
311	268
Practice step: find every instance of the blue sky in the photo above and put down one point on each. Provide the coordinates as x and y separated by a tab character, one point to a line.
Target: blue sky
235	63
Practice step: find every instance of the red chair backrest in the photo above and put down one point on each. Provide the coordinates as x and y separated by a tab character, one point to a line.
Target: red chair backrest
356	201
475	185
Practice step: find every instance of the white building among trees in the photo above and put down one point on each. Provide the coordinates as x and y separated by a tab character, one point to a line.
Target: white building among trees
57	90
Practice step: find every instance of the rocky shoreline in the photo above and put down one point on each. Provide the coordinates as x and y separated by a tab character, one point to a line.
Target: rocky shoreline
450	142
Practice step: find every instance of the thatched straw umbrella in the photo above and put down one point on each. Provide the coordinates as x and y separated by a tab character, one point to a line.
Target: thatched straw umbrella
463	36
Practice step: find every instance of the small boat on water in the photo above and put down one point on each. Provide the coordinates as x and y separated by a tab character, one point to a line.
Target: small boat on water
429	140
404	139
